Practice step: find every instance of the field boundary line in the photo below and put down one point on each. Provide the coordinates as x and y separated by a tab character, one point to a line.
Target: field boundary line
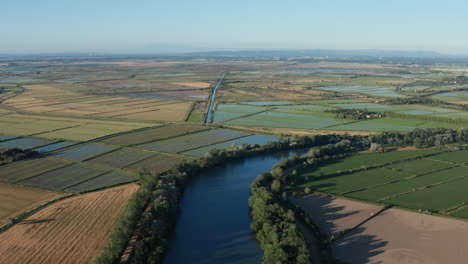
246	115
421	188
17	182
211	144
94	177
412	176
20	217
456	208
133	163
170	137
349	230
377	166
189	111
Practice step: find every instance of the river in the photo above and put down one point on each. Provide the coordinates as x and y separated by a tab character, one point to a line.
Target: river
214	224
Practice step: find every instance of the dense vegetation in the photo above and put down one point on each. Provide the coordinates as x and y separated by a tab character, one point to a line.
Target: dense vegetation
356	114
15	154
273	221
431	118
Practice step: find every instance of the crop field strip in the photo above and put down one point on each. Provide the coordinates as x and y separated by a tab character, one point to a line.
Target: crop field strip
83	152
163	110
105	180
282	115
152	134
158	163
63	178
63	128
121	158
192	141
252	139
436	175
18	171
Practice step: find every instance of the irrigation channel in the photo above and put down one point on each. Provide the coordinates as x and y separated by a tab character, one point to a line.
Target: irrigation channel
214	224
209	114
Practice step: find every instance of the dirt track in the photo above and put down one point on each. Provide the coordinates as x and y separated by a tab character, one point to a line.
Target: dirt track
69	231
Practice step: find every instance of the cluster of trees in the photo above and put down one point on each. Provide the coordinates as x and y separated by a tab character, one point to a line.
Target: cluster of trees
273	222
413	100
274	225
428	137
15	154
125	225
157	221
431	118
356	114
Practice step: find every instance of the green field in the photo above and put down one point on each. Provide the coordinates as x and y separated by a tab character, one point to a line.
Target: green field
434	183
192	141
152	134
366	160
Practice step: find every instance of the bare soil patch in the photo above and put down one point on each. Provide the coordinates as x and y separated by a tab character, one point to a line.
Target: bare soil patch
399	236
70	231
335	214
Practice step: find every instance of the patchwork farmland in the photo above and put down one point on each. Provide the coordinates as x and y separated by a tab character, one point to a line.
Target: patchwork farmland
98	123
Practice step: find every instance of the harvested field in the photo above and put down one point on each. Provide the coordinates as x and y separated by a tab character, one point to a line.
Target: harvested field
21	170
152	134
397	236
121	158
70	231
159	163
83	152
171	112
109	179
62	178
194	84
193	141
335	214
16	199
63	128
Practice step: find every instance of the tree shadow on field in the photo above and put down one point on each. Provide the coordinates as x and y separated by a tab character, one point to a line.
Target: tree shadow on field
333	218
35	221
356	247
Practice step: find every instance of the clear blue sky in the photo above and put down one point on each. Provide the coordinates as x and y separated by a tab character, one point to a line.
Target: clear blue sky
116	25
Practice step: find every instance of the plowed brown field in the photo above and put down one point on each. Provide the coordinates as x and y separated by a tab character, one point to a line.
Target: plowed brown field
69	231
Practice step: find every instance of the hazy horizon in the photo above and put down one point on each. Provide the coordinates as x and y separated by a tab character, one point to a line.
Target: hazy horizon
54	26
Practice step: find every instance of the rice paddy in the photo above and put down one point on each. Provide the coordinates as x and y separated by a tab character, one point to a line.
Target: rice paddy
82	152
192	141
252	140
62	178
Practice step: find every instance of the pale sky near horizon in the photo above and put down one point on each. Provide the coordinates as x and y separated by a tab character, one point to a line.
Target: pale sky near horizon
121	26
